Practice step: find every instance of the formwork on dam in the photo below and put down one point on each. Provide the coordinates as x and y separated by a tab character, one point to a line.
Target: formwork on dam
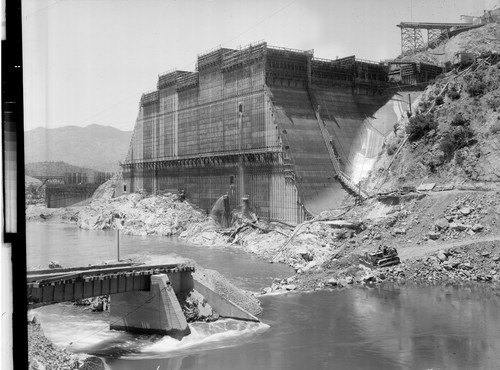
277	125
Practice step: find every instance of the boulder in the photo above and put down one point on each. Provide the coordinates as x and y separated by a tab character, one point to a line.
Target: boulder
399	231
306	255
465	266
477	227
447	265
458	226
310	265
434	235
331	282
92	363
441	224
465	211
369	279
453	262
267	290
290	287
441	256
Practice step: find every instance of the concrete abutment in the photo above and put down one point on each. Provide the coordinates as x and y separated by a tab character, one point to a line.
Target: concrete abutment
156	311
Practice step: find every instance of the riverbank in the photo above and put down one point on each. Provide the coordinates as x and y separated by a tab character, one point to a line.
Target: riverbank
42	354
193	304
447	237
447	234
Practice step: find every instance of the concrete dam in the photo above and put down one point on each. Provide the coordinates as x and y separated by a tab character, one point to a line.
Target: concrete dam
290	132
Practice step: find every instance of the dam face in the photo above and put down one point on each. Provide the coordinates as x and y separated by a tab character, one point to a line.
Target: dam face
258	122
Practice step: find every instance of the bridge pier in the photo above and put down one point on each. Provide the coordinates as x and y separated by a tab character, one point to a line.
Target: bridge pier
143	298
156	311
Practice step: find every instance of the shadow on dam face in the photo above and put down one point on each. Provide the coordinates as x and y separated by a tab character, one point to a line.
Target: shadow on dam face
357	124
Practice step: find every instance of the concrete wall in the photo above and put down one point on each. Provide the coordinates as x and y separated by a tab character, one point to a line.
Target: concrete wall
261	101
204	117
359	124
158	311
222	306
65	200
318	189
181	281
150	312
271	194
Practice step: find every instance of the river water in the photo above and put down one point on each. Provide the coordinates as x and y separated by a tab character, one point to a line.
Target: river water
387	327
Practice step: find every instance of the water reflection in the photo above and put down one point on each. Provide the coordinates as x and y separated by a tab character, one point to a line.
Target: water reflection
383	328
390	327
72	246
440	326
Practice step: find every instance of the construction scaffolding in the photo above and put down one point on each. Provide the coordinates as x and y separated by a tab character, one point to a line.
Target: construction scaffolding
409	72
243	124
412	39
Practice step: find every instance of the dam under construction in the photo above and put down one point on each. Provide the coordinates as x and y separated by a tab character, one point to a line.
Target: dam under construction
290	132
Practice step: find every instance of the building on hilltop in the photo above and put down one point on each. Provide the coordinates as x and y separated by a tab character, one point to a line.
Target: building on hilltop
279	126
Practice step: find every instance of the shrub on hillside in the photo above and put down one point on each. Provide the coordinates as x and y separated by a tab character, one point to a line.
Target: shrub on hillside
476	87
453	94
495	128
456	138
419	125
493	102
459	120
391	149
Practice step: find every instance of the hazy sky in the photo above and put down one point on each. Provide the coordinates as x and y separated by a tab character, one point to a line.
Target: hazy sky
89	61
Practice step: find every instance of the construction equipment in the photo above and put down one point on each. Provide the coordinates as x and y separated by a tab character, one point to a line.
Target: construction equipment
463	59
385	257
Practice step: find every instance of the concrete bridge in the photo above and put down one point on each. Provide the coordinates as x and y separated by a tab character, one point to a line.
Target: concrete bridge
143	297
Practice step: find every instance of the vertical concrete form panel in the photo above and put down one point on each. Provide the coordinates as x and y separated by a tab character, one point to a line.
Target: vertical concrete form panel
138	137
154	312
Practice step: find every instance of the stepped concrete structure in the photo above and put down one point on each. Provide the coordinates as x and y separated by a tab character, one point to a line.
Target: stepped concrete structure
291	133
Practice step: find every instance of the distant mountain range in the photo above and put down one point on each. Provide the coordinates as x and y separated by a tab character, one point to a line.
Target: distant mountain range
94	146
59	168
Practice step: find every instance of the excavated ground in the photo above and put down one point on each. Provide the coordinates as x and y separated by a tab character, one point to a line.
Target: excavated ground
423	226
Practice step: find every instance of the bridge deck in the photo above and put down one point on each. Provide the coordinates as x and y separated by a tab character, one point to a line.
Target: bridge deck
51	286
432	26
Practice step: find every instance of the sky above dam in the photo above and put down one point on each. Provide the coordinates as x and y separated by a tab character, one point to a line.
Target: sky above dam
88	61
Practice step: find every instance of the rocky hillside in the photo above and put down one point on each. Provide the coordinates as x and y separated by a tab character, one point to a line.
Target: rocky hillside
453	136
477	41
97	147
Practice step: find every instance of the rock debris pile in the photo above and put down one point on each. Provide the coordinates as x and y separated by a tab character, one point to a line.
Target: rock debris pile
138	214
464	216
